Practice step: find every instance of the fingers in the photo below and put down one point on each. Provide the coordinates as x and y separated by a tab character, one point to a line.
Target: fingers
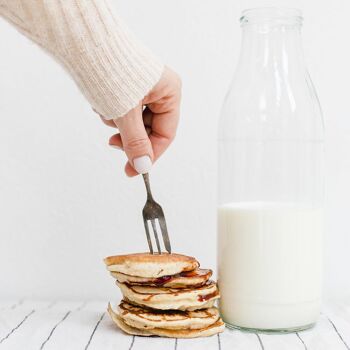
165	119
164	128
129	170
145	135
135	141
116	141
161	130
108	122
163	105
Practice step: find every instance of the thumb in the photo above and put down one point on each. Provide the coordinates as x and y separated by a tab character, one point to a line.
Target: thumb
136	143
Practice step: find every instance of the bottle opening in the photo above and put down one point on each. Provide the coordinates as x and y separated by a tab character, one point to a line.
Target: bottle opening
271	14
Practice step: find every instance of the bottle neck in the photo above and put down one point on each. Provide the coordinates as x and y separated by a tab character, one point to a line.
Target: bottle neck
271	45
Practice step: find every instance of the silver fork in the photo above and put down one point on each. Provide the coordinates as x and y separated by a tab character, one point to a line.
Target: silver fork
151	212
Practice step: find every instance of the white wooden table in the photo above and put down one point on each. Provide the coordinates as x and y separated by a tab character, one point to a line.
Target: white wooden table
62	325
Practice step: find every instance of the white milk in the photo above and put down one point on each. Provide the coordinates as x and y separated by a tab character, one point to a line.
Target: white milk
269	264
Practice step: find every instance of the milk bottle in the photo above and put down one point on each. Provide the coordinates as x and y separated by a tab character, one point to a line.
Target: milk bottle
270	210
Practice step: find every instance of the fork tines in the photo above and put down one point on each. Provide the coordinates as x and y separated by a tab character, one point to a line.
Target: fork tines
153	212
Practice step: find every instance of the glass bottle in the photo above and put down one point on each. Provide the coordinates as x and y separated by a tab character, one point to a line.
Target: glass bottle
270	215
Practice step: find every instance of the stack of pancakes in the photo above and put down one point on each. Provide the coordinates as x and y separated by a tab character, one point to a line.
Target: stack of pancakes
164	294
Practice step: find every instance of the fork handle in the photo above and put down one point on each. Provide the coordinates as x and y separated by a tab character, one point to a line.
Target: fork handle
147	184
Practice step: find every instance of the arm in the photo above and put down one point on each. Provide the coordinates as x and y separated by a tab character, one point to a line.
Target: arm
110	67
117	75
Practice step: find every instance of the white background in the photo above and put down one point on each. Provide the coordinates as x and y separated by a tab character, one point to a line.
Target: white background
64	200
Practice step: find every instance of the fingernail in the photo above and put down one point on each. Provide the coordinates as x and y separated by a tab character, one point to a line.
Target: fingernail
116	147
142	164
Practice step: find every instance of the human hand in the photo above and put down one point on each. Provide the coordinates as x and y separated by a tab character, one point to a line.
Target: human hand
145	133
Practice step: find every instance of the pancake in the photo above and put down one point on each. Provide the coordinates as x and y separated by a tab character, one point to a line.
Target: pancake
151	265
214	328
185	279
142	318
186	299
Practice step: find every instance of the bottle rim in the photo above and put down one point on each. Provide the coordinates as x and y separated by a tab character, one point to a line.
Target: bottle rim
282	15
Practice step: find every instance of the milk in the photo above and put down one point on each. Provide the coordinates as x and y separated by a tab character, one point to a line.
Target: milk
270	264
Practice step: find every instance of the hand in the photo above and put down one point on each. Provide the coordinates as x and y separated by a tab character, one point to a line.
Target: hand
145	133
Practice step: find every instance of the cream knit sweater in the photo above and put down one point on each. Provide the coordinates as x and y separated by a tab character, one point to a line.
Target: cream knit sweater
110	67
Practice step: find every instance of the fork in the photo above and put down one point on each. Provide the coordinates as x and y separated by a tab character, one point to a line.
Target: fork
151	212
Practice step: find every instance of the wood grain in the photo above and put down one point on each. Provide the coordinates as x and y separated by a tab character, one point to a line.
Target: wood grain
48	325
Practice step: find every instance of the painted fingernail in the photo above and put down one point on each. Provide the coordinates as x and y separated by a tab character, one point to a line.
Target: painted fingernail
116	147
142	164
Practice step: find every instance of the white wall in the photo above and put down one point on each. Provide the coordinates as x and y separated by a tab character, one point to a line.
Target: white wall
64	200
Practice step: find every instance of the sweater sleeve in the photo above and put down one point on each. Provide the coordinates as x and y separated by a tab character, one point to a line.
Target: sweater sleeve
112	69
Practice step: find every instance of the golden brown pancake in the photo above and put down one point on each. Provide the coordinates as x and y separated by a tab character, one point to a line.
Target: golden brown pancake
151	265
214	328
187	279
142	318
171	298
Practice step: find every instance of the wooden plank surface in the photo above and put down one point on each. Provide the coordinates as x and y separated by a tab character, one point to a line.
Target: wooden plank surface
57	325
198	343
76	329
234	339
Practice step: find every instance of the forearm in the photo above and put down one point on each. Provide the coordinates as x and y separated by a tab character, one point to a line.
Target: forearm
110	67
